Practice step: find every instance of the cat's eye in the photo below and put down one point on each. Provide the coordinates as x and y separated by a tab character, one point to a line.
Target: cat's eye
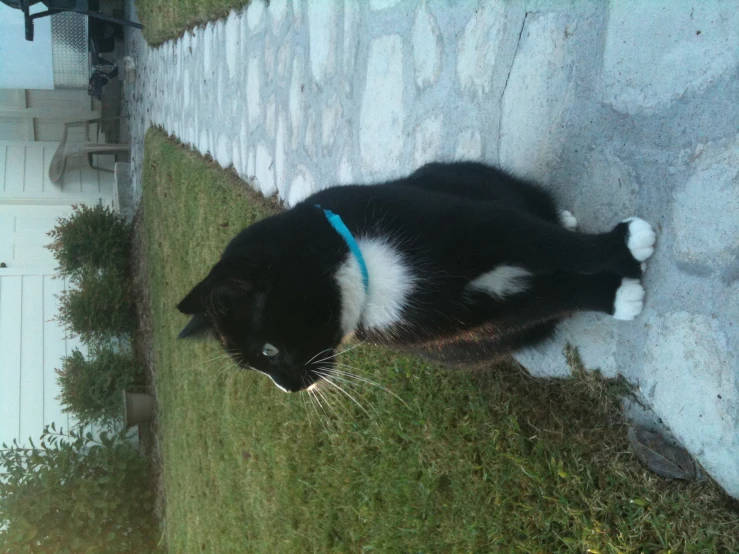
269	351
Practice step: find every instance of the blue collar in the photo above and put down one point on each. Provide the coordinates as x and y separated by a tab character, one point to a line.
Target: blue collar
346	234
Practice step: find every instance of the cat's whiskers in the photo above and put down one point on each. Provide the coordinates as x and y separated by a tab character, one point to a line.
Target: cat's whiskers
312	402
332	407
338	353
361	379
371	412
341	403
314	357
353	385
231	361
353	376
211	366
305	405
224	368
336	382
308	412
347	365
199	366
318	404
356	372
328	418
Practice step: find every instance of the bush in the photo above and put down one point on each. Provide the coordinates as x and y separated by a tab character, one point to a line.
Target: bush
101	307
94	236
91	388
82	495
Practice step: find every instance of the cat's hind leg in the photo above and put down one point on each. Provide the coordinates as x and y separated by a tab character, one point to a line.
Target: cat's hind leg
541	247
560	294
482	183
621	297
629	300
641	238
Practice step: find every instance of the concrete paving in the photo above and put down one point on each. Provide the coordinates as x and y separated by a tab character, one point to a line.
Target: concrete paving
622	108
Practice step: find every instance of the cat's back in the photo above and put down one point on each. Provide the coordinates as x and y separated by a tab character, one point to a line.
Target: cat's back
396	197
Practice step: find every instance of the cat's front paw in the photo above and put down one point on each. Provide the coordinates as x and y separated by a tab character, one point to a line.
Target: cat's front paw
629	300
640	238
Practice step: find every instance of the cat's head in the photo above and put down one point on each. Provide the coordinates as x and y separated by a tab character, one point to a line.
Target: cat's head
273	305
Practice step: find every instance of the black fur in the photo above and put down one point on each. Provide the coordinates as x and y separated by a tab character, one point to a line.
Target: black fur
275	281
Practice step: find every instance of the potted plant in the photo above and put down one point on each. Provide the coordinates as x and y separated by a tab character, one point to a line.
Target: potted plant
138	408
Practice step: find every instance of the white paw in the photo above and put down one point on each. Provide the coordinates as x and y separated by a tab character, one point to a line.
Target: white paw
629	300
567	220
641	238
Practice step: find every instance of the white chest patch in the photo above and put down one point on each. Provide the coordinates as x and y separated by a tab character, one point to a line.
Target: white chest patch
391	282
502	281
353	296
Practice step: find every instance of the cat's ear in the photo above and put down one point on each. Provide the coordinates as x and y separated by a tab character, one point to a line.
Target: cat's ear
195	301
198	326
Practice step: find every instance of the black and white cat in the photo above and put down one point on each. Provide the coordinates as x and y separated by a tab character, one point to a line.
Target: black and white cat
453	252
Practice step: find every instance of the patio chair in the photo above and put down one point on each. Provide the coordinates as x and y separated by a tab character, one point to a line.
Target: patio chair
65	159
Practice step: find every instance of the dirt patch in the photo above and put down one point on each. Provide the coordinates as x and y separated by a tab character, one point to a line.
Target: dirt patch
143	341
143	345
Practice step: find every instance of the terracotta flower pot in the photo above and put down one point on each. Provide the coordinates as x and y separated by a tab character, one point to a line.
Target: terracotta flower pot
137	408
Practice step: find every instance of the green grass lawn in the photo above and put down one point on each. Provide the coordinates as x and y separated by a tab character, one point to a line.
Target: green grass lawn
484	461
166	19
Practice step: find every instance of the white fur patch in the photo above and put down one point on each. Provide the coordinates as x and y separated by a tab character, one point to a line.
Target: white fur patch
629	300
502	281
353	296
568	220
283	389
390	284
641	238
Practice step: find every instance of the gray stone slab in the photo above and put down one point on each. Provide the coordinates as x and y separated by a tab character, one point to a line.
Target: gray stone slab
622	108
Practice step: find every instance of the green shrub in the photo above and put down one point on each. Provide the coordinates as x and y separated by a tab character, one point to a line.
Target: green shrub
94	236
74	494
91	387
100	307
